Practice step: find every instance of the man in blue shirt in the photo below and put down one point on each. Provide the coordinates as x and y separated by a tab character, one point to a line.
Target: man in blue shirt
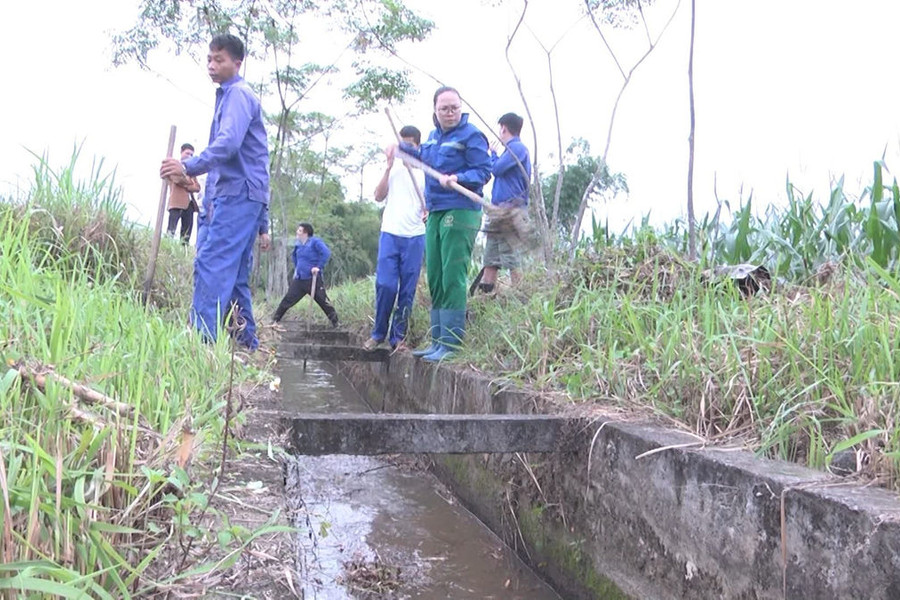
310	256
237	159
512	175
459	151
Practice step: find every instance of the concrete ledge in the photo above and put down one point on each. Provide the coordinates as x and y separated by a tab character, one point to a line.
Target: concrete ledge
334	353
681	522
319	336
367	434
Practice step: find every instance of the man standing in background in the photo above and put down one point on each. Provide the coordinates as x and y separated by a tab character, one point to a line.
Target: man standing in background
182	204
512	175
237	158
401	246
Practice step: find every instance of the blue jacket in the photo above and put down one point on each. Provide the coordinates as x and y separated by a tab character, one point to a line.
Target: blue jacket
510	183
314	253
237	155
461	151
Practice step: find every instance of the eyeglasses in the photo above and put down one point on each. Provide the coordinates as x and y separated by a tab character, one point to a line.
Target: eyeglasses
449	109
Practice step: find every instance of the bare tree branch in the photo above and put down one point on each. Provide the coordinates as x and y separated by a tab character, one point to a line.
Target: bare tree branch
554	221
538	206
644	21
692	226
603	37
576	230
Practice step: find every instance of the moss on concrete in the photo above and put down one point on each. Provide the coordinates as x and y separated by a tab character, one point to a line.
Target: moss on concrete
563	552
471	476
551	547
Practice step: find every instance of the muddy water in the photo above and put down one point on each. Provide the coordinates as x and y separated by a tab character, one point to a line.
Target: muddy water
363	518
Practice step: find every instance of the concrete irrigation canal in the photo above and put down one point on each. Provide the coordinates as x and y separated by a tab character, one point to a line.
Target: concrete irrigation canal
487	492
385	525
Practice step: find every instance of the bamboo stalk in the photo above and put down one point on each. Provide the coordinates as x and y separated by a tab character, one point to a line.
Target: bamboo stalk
157	233
80	391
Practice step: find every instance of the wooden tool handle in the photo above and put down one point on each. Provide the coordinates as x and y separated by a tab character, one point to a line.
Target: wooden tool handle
437	175
415	183
157	233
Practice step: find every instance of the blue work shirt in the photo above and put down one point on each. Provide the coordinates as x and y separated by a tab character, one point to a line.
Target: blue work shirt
207	207
510	182
461	151
314	253
237	157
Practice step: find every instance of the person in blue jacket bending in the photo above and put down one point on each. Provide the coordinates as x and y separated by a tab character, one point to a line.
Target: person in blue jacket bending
459	151
310	256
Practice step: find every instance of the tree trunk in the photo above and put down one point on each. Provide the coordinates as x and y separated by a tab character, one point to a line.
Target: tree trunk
692	225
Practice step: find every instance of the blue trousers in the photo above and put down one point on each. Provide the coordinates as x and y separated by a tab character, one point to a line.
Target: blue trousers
396	275
222	270
201	231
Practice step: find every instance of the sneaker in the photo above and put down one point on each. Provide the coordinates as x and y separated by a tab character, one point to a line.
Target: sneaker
371	343
399	347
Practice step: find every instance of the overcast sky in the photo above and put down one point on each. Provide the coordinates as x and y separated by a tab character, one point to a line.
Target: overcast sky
805	88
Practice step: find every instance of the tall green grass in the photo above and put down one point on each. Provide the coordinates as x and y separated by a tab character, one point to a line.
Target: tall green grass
800	372
89	498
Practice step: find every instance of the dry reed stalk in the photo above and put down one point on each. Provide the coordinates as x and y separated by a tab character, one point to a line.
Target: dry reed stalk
7	513
82	392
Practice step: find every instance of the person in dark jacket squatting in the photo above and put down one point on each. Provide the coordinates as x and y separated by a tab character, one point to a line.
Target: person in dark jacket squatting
310	256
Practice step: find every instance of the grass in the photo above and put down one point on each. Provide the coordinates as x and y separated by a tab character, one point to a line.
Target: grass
93	498
799	373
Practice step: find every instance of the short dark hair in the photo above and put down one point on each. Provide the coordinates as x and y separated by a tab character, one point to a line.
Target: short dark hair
187	147
307	228
230	43
512	122
441	90
409	131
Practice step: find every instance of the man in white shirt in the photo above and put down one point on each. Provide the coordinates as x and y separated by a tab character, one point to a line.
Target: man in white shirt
401	248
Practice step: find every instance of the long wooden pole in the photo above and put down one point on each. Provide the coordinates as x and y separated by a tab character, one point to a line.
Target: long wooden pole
309	312
312	297
419	192
157	233
411	160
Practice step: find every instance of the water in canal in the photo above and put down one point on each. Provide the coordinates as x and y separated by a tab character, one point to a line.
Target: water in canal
363	518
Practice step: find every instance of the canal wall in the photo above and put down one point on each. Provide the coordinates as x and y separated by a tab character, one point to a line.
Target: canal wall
629	510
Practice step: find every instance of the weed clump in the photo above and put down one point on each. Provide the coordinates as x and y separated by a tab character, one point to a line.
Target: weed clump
103	401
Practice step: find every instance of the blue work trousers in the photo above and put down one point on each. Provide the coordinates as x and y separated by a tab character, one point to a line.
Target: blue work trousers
202	226
222	270
396	274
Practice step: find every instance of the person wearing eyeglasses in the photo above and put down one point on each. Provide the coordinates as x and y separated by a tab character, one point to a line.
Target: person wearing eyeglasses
459	150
